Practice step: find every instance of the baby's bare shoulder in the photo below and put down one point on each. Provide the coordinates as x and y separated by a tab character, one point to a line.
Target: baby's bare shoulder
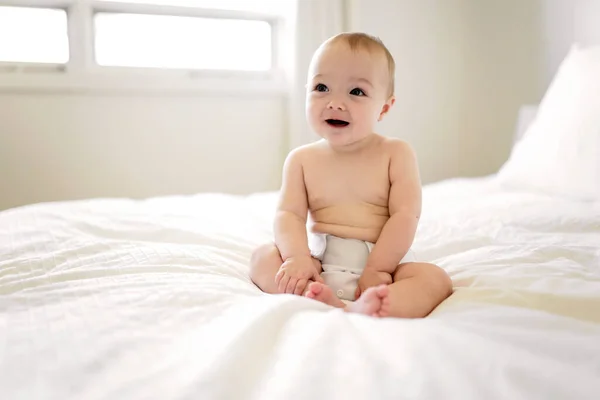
396	146
303	153
398	151
306	154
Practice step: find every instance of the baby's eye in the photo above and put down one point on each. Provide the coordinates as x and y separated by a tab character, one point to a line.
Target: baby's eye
357	92
321	88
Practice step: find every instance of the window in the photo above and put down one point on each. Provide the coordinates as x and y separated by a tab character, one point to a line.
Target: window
160	41
33	35
180	39
272	7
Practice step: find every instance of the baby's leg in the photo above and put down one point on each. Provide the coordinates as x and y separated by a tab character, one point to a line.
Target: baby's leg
418	288
264	264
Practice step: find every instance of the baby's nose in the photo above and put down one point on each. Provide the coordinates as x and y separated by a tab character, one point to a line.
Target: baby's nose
336	105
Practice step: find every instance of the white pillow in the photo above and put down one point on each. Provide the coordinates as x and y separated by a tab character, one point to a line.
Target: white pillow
560	151
526	116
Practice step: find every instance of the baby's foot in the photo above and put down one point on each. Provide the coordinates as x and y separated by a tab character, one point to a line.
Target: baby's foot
324	294
375	302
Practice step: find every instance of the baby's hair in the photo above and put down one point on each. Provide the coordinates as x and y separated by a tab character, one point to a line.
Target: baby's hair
364	41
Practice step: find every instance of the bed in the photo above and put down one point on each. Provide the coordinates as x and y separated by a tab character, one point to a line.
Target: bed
151	299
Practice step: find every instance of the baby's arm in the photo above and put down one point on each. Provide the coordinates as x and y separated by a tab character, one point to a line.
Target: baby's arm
292	209
405	210
290	230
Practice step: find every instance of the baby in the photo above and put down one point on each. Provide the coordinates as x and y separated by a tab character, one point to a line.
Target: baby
361	192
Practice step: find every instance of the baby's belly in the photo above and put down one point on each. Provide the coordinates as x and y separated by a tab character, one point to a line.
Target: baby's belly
361	221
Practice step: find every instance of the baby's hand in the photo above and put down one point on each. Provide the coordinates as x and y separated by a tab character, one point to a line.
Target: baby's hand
371	277
294	274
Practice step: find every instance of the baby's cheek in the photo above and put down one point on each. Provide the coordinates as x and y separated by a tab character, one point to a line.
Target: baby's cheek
312	108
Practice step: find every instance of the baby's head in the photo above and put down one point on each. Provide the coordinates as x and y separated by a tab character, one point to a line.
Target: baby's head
350	87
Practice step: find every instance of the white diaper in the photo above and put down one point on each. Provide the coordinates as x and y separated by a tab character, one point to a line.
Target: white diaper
343	261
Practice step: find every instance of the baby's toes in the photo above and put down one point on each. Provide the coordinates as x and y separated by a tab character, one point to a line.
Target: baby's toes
384	311
385	301
382	291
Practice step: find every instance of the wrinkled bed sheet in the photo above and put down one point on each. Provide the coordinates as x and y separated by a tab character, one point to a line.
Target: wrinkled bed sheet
151	299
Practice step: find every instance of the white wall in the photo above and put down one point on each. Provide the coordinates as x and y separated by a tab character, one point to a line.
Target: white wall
504	57
463	69
61	146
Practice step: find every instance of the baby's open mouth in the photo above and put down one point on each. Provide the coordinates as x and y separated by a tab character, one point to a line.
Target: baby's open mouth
338	123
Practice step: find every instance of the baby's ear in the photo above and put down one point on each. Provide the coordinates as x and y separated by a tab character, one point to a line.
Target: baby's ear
386	107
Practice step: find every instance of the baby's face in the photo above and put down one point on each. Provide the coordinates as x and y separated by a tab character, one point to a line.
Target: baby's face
347	93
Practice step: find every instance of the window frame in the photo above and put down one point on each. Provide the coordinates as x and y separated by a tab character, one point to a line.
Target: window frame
82	74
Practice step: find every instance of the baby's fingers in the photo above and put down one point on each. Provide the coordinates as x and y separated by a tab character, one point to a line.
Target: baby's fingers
278	276
300	286
283	284
291	286
317	277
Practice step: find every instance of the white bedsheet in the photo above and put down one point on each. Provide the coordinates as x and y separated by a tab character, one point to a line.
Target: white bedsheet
123	299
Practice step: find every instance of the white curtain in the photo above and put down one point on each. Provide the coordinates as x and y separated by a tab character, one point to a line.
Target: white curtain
315	21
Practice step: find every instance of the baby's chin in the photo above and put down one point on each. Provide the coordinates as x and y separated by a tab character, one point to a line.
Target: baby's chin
343	139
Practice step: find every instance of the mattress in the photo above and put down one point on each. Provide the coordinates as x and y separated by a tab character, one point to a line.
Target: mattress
151	299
